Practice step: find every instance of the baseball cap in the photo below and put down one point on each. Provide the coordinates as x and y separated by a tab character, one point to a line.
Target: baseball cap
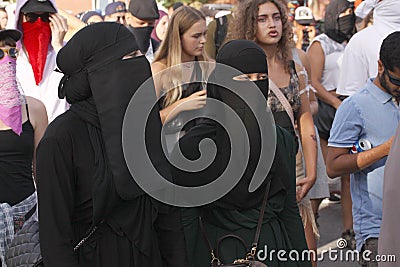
38	6
88	14
144	9
115	7
14	34
303	15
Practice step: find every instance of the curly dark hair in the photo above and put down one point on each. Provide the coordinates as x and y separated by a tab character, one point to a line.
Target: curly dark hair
244	26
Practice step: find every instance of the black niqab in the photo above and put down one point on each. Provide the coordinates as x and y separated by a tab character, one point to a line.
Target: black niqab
99	84
241	56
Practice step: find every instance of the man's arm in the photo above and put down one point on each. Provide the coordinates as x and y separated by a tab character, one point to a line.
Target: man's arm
339	162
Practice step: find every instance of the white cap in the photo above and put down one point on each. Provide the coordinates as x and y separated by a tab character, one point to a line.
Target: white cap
303	15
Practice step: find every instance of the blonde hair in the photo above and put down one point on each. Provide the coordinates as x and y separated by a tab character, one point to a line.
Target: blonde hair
245	26
171	49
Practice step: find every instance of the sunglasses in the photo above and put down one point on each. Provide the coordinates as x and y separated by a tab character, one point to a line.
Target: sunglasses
12	52
118	18
32	17
393	80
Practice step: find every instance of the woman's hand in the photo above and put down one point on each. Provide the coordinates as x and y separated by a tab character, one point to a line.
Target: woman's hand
304	185
196	100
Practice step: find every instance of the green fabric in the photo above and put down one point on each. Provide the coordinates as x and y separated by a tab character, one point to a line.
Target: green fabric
282	227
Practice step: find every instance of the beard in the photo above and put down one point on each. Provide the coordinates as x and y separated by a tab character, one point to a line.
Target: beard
36	39
385	85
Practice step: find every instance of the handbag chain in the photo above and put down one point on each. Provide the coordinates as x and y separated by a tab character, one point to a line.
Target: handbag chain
85	238
251	255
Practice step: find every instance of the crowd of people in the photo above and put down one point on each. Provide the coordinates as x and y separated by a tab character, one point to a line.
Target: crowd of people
325	75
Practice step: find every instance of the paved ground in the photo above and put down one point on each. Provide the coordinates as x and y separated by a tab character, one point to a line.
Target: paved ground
330	227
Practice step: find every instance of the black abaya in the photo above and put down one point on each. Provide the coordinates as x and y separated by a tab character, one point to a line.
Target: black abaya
65	165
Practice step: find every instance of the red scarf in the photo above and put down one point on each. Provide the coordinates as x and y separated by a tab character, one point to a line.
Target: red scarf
36	38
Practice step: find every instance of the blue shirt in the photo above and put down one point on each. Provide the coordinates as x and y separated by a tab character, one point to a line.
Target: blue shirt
368	114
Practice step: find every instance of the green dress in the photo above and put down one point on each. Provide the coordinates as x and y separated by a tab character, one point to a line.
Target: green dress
282	228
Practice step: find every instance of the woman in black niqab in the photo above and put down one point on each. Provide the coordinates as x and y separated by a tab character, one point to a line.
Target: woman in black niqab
83	180
238	211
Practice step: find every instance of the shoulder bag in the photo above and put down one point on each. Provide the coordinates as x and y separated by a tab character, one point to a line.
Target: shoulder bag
250	258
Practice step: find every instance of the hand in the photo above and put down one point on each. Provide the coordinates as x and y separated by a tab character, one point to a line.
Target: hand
337	104
196	100
303	186
59	27
299	32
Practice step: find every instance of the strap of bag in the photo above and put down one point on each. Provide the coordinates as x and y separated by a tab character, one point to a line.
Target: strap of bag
214	259
254	246
282	98
30	213
251	254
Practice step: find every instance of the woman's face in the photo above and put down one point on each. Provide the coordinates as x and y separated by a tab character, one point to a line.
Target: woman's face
161	29
3	20
194	38
269	24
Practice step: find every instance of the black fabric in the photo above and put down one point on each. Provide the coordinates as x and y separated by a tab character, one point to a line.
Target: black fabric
247	57
66	168
14	34
220	32
155	44
142	36
339	29
96	186
16	153
324	119
32	6
144	9
100	72
175	124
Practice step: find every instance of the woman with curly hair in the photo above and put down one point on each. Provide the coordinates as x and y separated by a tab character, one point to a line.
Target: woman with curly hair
266	23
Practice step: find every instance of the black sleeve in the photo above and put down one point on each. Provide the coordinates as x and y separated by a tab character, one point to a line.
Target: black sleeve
55	186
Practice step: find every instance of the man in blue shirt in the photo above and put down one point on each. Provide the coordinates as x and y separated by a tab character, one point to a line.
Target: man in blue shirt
372	114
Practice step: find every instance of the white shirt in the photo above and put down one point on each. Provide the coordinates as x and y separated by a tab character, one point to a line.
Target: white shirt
47	90
360	60
333	52
150	53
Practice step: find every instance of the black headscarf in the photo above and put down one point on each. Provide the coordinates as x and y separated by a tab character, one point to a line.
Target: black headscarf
241	56
339	29
99	84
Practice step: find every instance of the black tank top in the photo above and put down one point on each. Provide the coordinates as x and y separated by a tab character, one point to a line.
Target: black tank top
187	90
16	153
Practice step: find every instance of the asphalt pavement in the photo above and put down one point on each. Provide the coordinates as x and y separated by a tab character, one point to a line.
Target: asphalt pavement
330	251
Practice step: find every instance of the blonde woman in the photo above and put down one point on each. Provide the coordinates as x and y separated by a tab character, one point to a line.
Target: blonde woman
266	23
177	63
180	59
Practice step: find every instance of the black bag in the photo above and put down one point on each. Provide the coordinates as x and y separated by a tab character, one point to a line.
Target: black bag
249	260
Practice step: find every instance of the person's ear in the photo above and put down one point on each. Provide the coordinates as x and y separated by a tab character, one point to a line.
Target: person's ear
381	68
